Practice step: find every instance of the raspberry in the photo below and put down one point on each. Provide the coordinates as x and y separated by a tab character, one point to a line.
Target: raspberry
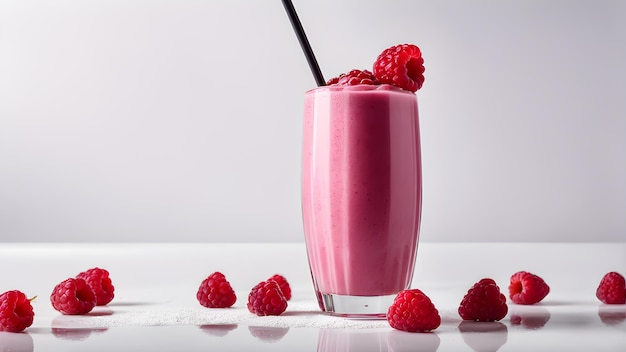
413	311
612	289
353	78
215	292
483	302
99	281
266	298
527	288
402	66
283	284
73	297
16	312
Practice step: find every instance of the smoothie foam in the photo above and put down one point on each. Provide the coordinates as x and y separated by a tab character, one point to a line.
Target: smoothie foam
361	188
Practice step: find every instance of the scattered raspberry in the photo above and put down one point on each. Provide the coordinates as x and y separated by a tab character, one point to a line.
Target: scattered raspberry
16	312
353	78
266	298
401	65
527	288
483	302
73	297
413	311
100	282
283	284
215	292
612	289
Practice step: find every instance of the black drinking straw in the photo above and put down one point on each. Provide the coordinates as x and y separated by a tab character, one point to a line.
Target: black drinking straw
304	43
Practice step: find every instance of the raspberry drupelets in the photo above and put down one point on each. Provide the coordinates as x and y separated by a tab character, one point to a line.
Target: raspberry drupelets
100	282
483	302
216	292
266	298
73	297
283	284
16	312
401	65
612	289
527	288
354	77
413	311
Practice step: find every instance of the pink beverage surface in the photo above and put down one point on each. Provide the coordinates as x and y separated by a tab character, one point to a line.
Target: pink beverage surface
361	188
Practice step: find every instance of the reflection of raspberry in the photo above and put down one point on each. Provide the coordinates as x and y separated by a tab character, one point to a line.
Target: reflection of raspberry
527	288
483	337
16	312
401	66
354	77
483	302
266	298
612	289
611	317
531	320
283	284
76	334
215	292
73	296
268	333
99	281
413	311
219	330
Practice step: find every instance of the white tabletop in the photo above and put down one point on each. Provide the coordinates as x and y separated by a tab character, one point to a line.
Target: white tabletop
155	307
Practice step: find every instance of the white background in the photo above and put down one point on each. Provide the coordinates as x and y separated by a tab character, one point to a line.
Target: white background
138	120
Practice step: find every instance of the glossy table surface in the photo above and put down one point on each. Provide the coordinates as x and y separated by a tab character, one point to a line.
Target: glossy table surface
155	308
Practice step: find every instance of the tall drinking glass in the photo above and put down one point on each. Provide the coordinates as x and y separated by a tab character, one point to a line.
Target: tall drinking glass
361	195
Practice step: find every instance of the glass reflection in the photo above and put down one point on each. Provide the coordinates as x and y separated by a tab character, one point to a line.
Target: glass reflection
219	330
483	336
352	340
268	333
612	315
16	342
532	318
401	341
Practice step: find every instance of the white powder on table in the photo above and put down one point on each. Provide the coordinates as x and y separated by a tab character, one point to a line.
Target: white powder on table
298	314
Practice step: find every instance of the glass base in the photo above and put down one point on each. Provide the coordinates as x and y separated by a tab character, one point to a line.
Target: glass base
358	307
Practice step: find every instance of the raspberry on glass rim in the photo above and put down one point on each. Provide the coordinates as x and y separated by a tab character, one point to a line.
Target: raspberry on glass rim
354	77
402	66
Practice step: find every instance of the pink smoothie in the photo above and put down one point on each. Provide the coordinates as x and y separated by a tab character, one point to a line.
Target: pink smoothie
361	188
